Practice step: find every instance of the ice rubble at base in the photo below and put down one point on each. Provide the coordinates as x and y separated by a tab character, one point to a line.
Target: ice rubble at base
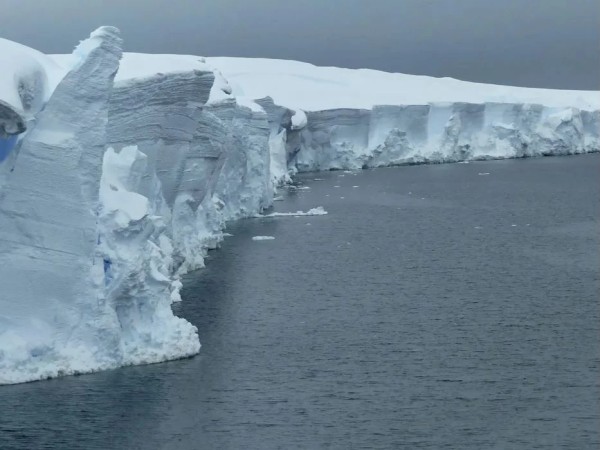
117	174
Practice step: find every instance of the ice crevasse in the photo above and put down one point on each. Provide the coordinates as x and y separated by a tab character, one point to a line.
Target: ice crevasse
119	170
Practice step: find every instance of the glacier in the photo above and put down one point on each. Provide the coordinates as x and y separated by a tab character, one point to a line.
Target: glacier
118	171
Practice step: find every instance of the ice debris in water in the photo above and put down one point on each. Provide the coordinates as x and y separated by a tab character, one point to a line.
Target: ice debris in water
318	211
263	238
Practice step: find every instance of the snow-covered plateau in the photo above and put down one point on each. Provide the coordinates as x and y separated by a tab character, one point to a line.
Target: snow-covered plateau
118	171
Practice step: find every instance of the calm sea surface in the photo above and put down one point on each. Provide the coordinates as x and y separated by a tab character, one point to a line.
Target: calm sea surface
444	306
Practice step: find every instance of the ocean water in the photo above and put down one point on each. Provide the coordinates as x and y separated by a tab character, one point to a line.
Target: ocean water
442	306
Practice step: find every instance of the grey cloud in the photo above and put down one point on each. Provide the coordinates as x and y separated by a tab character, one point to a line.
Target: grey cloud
542	43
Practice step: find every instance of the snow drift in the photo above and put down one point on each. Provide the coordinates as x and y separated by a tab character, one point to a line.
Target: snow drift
118	172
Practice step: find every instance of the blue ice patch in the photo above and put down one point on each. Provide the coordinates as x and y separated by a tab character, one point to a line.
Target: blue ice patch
6	146
107	271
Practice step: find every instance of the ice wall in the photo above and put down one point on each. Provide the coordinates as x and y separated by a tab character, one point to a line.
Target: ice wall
53	316
439	133
119	171
148	166
347	119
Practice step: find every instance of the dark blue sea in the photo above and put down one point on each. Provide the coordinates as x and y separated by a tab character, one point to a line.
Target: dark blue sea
441	306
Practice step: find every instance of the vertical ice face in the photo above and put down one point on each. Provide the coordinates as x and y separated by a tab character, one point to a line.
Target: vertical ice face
137	261
156	173
162	114
244	183
185	158
177	111
53	317
282	128
366	118
441	132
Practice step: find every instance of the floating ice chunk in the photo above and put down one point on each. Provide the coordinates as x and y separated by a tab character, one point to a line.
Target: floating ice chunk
263	238
279	198
483	173
354	186
318	211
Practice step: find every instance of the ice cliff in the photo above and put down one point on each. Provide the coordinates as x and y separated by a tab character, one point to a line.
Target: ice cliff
346	119
119	171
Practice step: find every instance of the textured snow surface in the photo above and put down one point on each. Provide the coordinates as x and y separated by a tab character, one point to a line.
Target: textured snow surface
313	88
119	171
27	79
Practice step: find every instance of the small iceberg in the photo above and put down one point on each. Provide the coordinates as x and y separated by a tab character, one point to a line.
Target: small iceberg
318	211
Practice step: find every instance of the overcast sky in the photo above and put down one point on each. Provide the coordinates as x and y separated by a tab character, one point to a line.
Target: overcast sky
542	43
